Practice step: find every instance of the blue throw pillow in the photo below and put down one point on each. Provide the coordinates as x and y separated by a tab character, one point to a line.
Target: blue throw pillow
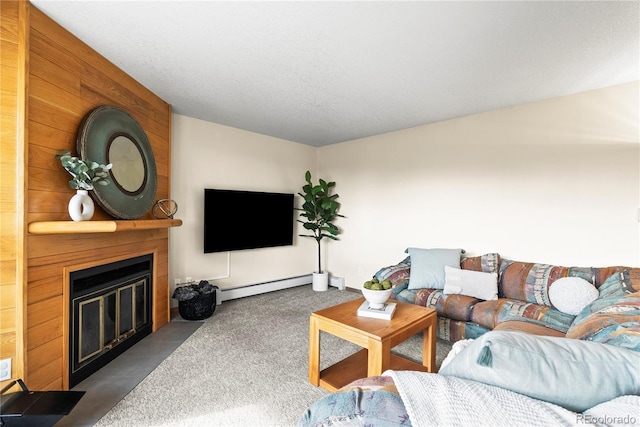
427	266
574	374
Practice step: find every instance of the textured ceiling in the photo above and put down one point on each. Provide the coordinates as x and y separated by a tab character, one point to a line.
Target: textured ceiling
324	72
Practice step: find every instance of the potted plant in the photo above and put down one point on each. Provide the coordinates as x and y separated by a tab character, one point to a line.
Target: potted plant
319	210
86	174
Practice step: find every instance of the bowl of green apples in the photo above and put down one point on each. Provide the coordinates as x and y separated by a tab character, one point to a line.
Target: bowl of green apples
376	292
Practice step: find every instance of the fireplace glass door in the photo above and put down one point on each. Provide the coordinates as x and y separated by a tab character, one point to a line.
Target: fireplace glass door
108	319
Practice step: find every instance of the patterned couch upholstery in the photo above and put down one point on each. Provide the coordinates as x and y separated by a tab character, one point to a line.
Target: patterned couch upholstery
523	302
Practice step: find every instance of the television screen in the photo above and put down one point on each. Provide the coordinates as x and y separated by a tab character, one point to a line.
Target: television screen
235	220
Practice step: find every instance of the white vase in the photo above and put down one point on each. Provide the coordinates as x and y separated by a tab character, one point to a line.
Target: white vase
320	281
81	206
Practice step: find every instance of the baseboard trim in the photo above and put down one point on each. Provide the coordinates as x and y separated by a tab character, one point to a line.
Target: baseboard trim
227	294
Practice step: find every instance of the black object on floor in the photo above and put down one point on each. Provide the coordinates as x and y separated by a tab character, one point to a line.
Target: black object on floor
35	408
196	302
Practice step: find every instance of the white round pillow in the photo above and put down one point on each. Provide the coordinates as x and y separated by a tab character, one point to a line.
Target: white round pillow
571	294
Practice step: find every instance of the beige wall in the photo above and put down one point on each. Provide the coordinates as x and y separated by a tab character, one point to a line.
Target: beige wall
208	155
555	181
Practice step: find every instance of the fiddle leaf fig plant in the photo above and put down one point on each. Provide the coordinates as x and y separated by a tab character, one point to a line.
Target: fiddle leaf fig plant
319	210
86	173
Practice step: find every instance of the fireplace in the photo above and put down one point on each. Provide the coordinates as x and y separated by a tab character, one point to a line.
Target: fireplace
110	308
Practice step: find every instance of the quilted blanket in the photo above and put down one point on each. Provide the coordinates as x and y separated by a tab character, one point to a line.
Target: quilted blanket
432	399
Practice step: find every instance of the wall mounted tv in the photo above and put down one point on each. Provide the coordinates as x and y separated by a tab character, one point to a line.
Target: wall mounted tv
236	220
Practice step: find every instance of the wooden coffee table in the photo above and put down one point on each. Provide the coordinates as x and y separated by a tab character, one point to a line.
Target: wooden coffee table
377	337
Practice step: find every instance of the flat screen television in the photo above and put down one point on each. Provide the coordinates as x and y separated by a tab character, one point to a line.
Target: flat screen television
236	220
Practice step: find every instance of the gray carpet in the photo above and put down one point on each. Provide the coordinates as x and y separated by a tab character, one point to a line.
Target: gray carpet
246	365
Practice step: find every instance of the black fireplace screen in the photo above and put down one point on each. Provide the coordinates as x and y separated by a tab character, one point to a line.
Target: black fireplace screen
111	311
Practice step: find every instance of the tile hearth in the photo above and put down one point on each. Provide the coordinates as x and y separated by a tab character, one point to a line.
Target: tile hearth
108	386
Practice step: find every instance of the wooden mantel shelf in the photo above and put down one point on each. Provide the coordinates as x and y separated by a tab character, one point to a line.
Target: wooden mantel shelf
73	227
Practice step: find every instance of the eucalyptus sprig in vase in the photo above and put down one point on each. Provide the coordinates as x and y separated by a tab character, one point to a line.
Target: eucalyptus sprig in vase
86	175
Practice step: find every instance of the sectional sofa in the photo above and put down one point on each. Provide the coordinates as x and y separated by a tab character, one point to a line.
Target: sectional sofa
521	295
534	344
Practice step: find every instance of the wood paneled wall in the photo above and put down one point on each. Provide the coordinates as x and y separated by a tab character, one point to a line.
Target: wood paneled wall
13	27
66	80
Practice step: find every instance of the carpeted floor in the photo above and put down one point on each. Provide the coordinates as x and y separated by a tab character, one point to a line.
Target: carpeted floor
246	365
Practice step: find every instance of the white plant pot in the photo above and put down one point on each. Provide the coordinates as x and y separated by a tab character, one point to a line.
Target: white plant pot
81	206
320	281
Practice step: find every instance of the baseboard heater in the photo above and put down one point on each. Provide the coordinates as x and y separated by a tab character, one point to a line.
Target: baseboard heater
227	294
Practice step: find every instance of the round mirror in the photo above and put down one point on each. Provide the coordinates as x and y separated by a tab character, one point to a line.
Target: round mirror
128	167
111	135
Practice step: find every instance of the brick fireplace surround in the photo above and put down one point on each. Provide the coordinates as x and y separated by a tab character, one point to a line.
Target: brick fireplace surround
51	81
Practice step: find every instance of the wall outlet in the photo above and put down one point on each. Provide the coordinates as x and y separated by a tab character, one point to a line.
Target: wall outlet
188	280
5	369
176	282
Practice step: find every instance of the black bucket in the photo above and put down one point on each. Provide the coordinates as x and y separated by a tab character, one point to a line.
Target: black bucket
196	302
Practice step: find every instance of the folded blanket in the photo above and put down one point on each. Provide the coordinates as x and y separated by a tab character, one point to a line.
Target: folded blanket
433	399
